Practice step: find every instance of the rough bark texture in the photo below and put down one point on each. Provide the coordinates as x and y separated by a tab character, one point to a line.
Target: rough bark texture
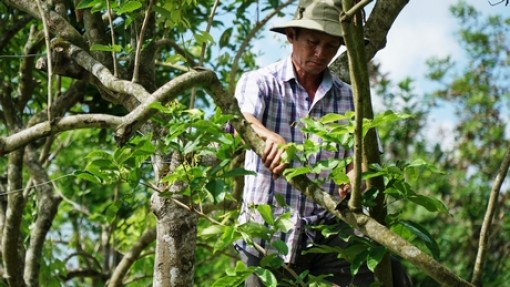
175	247
176	227
176	234
129	258
47	207
11	236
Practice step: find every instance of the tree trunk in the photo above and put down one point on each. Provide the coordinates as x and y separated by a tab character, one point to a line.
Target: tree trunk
176	230
175	243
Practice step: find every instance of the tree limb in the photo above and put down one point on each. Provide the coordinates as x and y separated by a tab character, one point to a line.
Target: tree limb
367	225
353	38
47	208
347	16
57	24
82	58
487	220
378	24
30	134
246	41
130	257
12	256
139	42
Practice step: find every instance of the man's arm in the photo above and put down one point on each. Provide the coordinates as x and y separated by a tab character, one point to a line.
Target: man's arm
272	151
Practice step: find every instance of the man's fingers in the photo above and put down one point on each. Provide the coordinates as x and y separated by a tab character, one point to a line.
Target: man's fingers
271	155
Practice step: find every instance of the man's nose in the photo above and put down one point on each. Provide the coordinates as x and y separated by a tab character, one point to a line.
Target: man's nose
320	51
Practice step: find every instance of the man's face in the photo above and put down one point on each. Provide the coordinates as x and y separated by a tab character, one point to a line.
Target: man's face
312	50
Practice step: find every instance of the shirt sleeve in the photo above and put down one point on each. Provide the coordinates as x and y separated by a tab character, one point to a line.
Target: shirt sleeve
250	94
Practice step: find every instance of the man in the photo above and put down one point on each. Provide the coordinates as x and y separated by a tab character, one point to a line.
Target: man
273	100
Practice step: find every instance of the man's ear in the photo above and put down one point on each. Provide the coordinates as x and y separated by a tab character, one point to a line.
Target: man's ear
291	34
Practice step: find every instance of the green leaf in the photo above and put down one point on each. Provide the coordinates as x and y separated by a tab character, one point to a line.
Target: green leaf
203	37
266	212
250	230
159	107
280	199
102	164
238	172
423	235
225	37
84	4
99	154
332	118
284	223
272	261
88	176
211	230
230	281
191	146
128	7
217	189
432	204
293	172
358	261
226	239
106	48
266	276
281	247
375	255
121	155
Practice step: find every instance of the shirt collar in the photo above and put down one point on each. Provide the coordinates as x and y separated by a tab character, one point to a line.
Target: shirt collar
290	74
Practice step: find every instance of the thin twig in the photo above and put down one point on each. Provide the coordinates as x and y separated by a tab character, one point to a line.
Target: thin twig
139	42
202	53
112	33
48	57
487	221
349	14
247	40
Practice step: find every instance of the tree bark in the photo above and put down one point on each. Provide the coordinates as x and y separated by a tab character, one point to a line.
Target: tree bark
487	220
130	257
12	250
47	207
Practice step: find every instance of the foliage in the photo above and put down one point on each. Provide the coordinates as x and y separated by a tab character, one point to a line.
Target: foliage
474	87
101	192
105	189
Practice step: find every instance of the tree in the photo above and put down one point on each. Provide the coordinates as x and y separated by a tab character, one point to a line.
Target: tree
471	84
127	67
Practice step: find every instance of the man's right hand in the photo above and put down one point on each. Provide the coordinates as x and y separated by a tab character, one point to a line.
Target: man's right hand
272	154
272	151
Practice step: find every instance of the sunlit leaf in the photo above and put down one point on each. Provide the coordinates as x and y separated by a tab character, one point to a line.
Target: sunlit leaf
128	7
266	212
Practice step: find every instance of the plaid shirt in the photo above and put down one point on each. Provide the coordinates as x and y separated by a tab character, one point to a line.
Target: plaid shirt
273	95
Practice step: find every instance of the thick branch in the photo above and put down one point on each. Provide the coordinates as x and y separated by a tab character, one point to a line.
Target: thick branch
362	222
378	25
353	38
28	135
129	258
56	23
164	94
47	207
101	72
11	236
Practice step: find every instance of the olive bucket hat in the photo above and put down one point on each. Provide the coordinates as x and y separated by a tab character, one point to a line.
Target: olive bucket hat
320	15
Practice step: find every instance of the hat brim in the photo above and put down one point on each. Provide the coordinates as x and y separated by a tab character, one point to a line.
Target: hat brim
328	27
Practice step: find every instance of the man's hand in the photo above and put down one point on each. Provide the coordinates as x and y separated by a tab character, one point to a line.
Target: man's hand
272	151
345	189
272	154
